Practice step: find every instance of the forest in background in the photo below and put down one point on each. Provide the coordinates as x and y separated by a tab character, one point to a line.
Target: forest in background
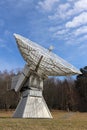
68	94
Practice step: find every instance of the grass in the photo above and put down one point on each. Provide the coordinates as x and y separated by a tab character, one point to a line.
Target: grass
61	121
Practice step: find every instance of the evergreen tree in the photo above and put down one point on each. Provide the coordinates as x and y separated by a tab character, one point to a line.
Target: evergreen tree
81	85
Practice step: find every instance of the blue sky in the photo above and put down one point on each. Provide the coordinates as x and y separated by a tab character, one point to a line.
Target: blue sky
61	23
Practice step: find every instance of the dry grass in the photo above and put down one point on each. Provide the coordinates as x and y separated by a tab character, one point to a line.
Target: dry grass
61	121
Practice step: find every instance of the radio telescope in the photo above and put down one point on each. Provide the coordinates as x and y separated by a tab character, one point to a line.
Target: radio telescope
40	63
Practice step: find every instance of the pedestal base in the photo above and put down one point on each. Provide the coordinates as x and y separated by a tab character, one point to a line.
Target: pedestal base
32	105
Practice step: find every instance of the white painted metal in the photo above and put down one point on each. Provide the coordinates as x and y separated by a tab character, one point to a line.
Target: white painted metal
50	65
22	78
14	81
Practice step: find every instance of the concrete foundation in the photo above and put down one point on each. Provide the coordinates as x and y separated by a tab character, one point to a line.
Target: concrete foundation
32	105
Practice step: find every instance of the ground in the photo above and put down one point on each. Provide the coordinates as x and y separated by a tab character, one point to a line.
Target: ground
61	121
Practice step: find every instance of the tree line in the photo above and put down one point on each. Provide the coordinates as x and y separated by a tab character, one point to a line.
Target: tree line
68	94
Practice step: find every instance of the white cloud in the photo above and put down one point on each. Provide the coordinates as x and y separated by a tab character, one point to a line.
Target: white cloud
61	11
69	9
81	5
64	7
47	4
69	20
61	33
83	38
77	21
74	41
71	0
84	46
77	7
81	30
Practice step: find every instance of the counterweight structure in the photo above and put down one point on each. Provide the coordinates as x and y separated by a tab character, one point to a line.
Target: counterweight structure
41	63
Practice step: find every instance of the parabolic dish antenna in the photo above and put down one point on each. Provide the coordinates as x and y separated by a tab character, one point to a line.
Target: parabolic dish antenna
50	63
41	63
